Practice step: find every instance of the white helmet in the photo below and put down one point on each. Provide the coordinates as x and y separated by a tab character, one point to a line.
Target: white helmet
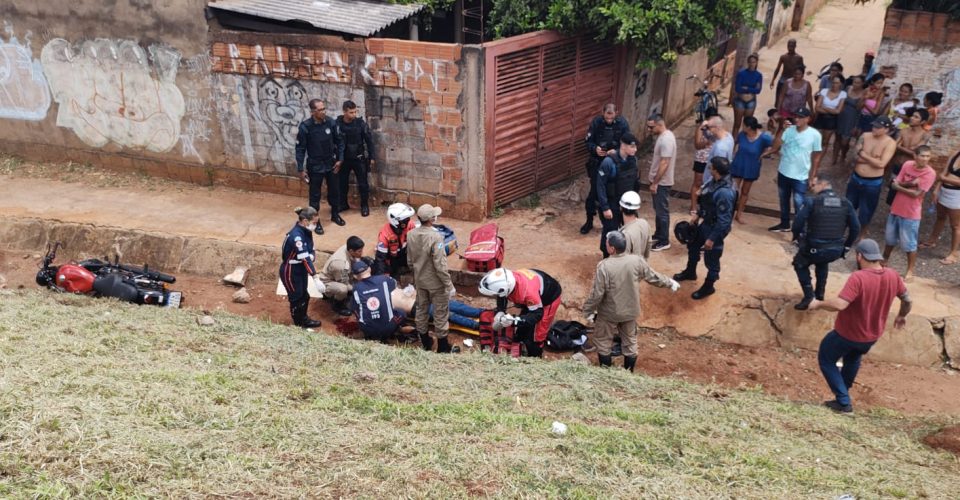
497	283
399	212
630	200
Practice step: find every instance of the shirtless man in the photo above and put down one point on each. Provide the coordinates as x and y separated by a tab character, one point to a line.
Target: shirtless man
788	62
873	152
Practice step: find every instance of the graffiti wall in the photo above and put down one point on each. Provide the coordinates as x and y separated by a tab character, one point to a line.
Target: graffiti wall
24	94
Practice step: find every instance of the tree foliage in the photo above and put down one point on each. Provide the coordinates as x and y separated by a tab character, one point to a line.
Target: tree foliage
660	30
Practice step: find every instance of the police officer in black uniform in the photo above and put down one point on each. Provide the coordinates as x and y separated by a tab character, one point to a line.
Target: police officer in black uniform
357	156
603	137
714	214
819	230
617	174
320	147
298	266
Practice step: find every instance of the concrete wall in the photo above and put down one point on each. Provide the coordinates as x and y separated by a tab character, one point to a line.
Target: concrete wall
644	93
924	49
152	91
680	99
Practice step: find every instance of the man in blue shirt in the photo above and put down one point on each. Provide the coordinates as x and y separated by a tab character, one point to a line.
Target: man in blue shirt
799	163
319	156
373	305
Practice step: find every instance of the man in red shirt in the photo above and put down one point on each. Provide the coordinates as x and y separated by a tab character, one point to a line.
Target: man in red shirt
903	224
863	306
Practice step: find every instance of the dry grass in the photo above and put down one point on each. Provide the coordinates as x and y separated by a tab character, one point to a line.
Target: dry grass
101	399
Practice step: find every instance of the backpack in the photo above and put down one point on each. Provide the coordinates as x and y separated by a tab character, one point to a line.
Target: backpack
566	335
486	249
449	238
497	342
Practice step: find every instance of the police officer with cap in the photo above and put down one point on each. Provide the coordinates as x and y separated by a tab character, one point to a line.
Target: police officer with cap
617	175
819	230
428	258
320	150
357	156
715	212
373	304
603	138
298	265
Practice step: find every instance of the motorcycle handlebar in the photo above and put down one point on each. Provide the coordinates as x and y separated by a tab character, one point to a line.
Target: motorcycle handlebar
154	275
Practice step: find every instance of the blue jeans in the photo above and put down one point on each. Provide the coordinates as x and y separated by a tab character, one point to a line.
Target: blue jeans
661	206
790	188
463	314
832	348
864	194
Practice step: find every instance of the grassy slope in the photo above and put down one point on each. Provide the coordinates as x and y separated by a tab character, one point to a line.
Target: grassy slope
99	398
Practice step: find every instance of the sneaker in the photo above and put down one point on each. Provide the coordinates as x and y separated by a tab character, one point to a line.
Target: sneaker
839	408
779	228
660	246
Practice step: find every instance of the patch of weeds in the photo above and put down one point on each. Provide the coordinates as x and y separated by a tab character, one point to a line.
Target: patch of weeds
529	202
497	211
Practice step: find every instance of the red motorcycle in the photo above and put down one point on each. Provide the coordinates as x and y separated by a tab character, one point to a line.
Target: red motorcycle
101	278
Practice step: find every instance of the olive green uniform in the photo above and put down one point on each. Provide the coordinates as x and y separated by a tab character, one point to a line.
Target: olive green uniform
427	258
336	275
638	238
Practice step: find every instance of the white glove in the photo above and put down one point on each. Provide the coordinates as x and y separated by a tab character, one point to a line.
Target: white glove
319	283
453	292
674	286
591	317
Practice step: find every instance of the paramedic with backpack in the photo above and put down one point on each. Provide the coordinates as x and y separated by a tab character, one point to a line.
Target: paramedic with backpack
614	301
537	295
392	241
716	202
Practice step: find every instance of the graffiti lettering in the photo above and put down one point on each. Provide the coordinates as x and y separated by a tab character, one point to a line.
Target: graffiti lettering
283	61
641	86
402	107
24	94
112	91
391	71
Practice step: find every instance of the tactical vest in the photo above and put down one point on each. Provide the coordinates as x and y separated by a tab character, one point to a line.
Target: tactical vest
624	180
708	202
828	218
353	145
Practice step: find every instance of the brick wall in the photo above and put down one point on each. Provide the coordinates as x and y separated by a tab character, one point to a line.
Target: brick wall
923	49
409	93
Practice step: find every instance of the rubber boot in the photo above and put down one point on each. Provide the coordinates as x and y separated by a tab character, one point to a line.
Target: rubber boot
629	362
587	226
807	299
605	360
688	274
443	345
426	341
704	291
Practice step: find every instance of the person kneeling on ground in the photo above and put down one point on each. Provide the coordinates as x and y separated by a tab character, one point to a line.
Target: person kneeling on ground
337	277
392	240
373	305
614	301
537	295
716	202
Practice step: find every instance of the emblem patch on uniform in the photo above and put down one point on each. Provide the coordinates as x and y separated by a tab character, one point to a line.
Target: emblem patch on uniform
327	131
299	244
373	303
831	202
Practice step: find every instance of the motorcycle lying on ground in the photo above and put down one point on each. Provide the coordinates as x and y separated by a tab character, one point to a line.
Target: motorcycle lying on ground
101	278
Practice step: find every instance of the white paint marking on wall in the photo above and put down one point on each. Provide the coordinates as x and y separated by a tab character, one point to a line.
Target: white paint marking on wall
24	94
112	91
245	126
403	69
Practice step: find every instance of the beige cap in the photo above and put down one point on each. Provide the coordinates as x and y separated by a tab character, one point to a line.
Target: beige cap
427	212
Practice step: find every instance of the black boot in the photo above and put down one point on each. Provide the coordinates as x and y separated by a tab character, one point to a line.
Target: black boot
337	220
688	274
705	291
426	341
629	362
443	345
821	289
587	226
605	360
807	299
340	307
364	209
318	229
309	322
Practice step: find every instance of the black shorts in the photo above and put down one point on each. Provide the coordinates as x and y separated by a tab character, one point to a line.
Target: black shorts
825	121
699	166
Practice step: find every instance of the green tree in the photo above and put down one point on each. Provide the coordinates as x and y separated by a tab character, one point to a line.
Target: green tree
660	30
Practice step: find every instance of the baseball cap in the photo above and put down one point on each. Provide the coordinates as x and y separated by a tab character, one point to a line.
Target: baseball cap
428	211
359	267
802	113
882	122
629	139
869	249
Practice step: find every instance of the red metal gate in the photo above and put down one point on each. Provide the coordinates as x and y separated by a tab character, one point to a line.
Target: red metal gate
542	90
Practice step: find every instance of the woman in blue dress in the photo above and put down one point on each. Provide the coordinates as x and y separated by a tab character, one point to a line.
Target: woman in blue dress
752	144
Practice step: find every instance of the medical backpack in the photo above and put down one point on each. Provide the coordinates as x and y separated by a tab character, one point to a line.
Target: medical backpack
497	342
486	249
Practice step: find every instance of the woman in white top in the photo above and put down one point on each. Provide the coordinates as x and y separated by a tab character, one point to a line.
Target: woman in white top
830	103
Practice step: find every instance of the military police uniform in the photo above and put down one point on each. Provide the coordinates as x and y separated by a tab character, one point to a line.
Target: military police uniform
715	210
336	275
318	148
606	136
615	298
819	229
615	176
427	257
296	268
373	306
357	153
